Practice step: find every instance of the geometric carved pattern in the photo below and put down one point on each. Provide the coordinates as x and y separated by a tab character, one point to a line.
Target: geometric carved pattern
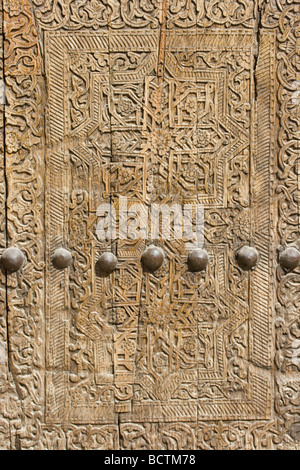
158	102
175	137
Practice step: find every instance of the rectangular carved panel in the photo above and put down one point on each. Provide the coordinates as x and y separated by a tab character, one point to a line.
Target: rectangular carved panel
176	345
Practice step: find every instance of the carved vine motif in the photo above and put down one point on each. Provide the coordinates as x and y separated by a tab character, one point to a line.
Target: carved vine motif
24	176
71	14
168	372
186	14
22	394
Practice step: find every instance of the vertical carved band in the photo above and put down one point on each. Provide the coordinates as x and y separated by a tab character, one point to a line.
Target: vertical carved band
22	194
24	169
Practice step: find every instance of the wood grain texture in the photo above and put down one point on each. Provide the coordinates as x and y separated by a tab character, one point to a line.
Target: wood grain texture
161	102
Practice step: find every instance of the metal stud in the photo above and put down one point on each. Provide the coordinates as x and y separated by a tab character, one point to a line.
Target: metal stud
62	258
106	264
290	258
247	257
12	259
197	260
152	258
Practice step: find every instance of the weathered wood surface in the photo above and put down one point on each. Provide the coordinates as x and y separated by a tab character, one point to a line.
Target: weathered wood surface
193	102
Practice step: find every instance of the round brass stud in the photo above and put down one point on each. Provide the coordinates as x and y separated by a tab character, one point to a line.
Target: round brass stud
247	257
12	259
62	258
290	258
106	264
152	258
197	260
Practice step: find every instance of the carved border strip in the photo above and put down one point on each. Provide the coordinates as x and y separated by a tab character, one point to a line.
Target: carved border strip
24	176
284	18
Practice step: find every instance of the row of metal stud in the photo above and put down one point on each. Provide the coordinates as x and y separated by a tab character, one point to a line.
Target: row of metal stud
247	257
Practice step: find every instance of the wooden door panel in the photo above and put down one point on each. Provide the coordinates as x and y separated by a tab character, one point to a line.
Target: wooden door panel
194	144
160	103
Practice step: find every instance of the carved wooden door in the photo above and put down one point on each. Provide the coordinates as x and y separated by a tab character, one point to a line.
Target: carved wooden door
150	103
